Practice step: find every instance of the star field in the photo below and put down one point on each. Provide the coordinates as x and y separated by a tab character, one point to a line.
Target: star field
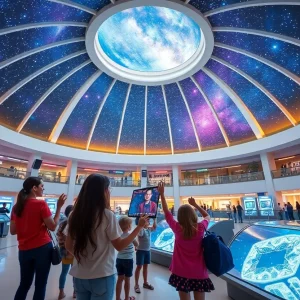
148	123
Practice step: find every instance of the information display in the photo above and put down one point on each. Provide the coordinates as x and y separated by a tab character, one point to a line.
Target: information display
266	206
9	203
250	206
269	258
52	203
163	237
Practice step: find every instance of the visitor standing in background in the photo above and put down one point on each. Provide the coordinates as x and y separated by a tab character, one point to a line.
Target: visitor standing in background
280	212
286	214
67	258
240	212
29	221
290	210
298	209
234	213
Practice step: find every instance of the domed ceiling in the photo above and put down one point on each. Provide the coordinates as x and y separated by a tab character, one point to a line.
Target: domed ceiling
50	88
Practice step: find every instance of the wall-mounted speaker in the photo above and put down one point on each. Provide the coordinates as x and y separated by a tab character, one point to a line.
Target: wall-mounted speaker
37	164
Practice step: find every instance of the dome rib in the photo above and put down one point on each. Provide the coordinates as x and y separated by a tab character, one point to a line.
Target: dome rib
249	4
122	118
213	111
191	117
63	118
145	120
98	114
76	5
259	86
39	49
37	73
168	118
39	25
261	59
276	36
48	92
255	126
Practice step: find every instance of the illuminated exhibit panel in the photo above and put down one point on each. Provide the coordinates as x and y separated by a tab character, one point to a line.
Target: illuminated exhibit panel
268	257
163	237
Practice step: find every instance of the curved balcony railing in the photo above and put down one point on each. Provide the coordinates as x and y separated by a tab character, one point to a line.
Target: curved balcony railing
114	183
286	172
222	179
155	182
54	178
13	173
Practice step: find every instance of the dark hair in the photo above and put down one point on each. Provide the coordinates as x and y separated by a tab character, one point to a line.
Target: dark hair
68	210
28	184
88	213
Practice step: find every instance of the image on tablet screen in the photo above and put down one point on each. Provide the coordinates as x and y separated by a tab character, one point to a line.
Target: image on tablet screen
144	202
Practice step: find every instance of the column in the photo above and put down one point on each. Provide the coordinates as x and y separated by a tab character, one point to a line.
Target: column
32	158
71	172
176	190
144	180
268	164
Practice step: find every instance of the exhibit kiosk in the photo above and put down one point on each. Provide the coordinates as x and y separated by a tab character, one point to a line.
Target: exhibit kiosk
267	260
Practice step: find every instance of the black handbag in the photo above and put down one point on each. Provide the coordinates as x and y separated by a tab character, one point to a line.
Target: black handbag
56	256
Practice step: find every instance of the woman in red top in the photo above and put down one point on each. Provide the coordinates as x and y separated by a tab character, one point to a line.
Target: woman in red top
30	220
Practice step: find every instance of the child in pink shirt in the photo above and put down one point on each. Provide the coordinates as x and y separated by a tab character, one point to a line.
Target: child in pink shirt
189	272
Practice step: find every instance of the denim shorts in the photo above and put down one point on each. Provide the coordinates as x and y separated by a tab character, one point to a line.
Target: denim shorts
98	288
124	267
143	257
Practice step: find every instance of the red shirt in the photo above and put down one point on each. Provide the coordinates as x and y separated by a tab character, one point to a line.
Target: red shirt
31	230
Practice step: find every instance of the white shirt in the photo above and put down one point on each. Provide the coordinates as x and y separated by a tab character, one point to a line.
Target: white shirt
101	263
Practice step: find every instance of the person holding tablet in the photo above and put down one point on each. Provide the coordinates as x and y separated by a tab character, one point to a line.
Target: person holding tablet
148	206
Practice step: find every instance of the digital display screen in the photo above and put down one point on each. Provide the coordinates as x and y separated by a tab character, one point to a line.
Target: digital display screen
265	204
163	237
9	203
52	203
144	202
269	258
250	206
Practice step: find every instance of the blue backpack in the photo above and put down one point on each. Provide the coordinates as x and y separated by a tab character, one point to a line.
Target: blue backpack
217	255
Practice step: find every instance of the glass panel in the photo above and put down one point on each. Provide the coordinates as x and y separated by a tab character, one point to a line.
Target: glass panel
41	123
268	258
132	135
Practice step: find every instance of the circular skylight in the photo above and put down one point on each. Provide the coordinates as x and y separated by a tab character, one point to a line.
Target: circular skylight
149	38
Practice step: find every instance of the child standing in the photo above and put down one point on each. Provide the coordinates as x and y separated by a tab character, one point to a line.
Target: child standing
143	257
125	261
189	272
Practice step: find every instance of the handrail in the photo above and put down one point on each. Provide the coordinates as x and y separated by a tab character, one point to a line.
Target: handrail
211	180
286	172
54	178
13	173
114	183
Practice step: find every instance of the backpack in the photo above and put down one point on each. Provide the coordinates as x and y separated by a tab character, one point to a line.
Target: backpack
217	255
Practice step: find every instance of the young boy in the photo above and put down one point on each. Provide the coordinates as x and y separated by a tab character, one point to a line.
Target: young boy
143	257
125	261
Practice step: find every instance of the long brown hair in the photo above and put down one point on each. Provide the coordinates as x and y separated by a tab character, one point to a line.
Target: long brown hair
28	184
88	213
187	219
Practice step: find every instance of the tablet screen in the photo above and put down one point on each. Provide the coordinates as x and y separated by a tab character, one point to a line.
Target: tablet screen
144	202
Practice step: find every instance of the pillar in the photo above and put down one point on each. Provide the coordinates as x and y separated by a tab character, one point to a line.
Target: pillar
268	164
32	158
144	180
176	189
71	172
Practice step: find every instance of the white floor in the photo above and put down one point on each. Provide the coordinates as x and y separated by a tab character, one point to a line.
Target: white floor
158	277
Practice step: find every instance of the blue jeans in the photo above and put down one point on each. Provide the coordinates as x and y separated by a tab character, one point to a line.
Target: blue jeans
63	275
234	216
95	289
36	262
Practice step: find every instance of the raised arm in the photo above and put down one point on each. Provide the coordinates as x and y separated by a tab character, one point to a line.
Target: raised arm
161	190
203	212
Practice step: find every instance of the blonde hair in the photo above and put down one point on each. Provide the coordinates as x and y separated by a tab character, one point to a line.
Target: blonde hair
187	219
125	222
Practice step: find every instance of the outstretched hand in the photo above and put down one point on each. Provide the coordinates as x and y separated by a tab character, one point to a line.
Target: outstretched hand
143	221
61	200
192	201
161	188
